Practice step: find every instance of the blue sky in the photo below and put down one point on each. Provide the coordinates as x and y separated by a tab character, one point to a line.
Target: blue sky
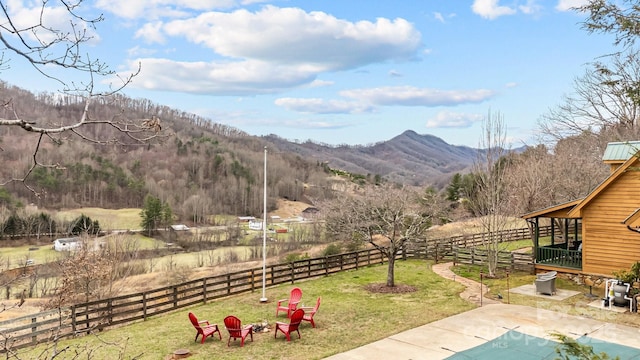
342	72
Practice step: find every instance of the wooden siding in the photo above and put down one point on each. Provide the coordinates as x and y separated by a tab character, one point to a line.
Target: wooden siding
608	245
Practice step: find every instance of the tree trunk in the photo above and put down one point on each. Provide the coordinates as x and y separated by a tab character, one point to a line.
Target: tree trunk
492	262
390	270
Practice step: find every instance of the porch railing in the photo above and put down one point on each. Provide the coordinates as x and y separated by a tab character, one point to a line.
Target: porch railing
559	257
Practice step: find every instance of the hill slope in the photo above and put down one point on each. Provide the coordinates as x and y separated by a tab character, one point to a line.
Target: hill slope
408	158
201	167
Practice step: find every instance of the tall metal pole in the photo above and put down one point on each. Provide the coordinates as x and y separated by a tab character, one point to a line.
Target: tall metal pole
264	232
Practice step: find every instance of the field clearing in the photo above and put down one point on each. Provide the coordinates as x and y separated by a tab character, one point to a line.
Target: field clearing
109	219
40	252
129	218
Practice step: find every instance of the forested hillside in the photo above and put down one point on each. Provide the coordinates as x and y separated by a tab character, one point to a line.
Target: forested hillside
196	166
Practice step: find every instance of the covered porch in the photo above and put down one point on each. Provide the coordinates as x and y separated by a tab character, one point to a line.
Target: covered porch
562	248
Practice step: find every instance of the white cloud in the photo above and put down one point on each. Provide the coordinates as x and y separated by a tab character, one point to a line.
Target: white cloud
511	84
412	96
395	73
442	18
531	7
320	83
233	78
154	9
567	5
151	33
321	106
138	51
446	119
490	9
286	46
260	120
293	36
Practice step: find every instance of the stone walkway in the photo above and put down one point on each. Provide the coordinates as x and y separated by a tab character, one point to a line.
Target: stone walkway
472	291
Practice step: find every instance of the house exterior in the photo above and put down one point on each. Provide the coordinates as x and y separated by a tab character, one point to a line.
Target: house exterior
600	233
67	244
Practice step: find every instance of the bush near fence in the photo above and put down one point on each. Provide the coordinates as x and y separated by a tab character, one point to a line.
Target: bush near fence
84	318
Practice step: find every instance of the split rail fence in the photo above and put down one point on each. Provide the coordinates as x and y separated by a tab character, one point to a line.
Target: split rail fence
85	318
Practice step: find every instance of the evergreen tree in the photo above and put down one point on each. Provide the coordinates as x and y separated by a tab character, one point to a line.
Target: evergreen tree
167	215
84	224
152	213
454	188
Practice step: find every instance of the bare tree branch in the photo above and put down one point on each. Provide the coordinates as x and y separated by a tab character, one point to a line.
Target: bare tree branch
53	42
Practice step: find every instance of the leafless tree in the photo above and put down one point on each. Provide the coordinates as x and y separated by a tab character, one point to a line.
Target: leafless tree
490	201
384	217
605	102
86	275
57	53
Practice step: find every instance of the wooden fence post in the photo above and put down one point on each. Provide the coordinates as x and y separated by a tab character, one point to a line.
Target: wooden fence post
204	288
110	311
175	297
273	277
144	306
513	261
326	266
73	318
34	328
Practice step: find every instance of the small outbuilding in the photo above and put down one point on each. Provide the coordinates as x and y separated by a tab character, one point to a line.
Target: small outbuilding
67	244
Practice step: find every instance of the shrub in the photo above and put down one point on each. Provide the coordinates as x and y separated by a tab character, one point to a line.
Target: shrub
332	249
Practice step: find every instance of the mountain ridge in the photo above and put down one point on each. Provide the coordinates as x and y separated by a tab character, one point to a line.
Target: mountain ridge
408	158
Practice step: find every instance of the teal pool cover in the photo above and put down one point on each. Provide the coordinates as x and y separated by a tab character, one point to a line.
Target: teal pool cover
516	345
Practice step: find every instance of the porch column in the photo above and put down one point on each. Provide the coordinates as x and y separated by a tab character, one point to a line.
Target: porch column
566	233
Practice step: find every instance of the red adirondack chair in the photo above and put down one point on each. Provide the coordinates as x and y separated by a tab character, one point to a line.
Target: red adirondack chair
309	312
236	330
203	328
291	304
294	323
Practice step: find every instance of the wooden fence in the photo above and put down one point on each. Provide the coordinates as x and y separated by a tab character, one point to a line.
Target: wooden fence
446	248
97	315
474	240
506	260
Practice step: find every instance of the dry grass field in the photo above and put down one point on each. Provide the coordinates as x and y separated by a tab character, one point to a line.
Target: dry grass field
109	219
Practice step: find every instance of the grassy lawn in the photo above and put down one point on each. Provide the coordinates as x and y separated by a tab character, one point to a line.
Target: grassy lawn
15	256
349	317
108	218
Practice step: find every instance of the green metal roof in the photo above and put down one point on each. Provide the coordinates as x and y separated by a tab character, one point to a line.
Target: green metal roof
620	150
